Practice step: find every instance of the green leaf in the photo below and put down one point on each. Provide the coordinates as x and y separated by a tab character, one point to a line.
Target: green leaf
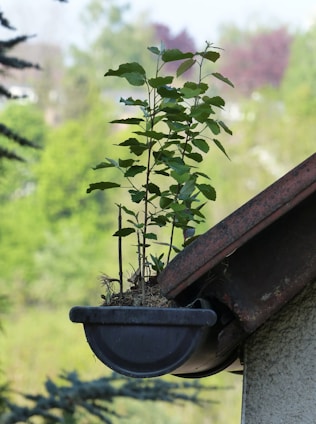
103	165
157	119
191	89
201	112
175	54
177	165
102	186
137	195
163	155
134	102
174	111
221	147
162	172
160	220
222	78
210	55
174	139
165	202
174	189
201	144
187	190
225	127
176	249
207	190
127	121
197	157
177	126
123	232
171	106
134	146
190	240
132	141
178	207
139	150
153	188
154	50
180	178
157	263
151	134
185	66
197	211
160	81
125	163
133	72
202	174
134	170
129	211
168	92
186	147
215	101
151	236
213	126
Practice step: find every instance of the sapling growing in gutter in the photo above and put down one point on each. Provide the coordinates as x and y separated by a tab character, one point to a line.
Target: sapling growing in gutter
173	130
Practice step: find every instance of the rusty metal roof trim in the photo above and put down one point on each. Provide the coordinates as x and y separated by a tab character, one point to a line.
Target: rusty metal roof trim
228	235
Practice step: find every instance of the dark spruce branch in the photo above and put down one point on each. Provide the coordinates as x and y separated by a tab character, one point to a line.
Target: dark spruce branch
11	62
12	135
95	398
5	22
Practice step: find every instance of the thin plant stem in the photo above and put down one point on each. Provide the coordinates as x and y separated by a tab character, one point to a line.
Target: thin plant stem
144	253
120	254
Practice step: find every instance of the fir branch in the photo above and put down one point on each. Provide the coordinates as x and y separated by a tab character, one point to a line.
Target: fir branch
5	23
22	141
95	396
14	62
12	42
6	93
7	154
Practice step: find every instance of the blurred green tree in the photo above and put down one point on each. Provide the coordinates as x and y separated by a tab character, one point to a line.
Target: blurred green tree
299	83
113	39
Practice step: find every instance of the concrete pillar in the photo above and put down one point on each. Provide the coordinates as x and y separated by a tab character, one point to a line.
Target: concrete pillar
280	366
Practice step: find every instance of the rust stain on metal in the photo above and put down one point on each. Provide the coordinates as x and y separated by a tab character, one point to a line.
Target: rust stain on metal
268	246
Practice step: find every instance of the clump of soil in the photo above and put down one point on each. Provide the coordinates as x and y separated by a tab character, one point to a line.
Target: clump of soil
133	296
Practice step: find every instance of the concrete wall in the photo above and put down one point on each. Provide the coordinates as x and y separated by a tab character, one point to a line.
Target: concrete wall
280	366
